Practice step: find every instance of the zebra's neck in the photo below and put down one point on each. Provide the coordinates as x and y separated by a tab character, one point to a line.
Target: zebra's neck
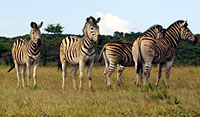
33	48
87	46
172	36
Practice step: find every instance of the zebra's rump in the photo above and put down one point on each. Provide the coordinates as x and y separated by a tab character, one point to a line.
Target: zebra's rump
162	51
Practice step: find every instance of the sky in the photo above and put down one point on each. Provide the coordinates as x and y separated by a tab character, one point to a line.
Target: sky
116	15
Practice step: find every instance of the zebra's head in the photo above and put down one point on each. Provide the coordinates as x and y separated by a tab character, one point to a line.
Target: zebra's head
91	29
186	34
35	33
155	31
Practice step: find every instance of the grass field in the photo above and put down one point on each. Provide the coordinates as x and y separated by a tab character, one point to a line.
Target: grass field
48	99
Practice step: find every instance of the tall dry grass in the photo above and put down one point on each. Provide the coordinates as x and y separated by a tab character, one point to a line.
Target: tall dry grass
48	99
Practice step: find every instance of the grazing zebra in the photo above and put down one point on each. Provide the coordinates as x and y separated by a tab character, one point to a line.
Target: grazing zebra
147	51
119	54
26	52
80	51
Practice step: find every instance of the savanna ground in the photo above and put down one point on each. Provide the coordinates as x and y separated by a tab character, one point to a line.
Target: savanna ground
48	99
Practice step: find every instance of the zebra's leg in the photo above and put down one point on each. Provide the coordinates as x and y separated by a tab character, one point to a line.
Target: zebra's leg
90	74
111	68
23	74
139	73
35	73
74	71
106	66
63	62
81	77
168	69
159	73
28	73
147	69
105	73
18	73
120	69
141	76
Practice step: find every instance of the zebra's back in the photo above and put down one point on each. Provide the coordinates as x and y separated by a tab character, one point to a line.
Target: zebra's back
120	52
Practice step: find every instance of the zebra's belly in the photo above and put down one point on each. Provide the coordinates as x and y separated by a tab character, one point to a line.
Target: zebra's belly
162	60
130	63
73	61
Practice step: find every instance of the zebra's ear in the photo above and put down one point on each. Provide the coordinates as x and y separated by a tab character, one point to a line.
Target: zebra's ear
88	19
98	19
184	24
33	25
40	25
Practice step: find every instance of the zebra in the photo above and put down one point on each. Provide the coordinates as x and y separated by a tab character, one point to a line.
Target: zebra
27	52
119	54
147	51
80	51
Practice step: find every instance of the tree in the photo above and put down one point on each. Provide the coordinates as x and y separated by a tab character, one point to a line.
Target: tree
55	29
118	34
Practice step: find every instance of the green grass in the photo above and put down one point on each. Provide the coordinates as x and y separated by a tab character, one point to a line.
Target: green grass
181	99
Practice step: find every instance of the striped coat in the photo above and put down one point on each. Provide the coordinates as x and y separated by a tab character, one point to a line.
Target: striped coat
80	52
161	51
119	54
26	52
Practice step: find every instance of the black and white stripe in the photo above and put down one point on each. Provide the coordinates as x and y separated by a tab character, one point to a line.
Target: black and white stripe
80	51
119	54
162	50
26	52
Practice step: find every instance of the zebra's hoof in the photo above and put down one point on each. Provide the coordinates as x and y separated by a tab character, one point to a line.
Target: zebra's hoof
35	87
92	89
137	85
109	87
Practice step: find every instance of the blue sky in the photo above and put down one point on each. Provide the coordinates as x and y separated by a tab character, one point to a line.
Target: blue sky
124	15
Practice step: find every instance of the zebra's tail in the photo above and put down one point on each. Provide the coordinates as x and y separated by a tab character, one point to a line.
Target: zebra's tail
11	68
59	65
136	52
100	55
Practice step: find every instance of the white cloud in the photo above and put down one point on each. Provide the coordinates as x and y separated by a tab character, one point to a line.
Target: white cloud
110	23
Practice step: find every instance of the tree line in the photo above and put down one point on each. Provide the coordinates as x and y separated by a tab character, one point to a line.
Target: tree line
186	54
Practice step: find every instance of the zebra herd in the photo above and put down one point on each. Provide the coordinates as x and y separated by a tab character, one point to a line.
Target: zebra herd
155	46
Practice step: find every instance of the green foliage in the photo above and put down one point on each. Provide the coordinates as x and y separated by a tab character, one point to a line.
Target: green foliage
55	29
186	54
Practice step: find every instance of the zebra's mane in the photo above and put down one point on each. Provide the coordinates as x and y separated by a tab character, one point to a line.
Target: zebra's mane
89	23
150	30
174	26
177	23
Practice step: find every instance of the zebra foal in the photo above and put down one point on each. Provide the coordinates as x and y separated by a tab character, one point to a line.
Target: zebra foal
80	52
27	52
160	51
119	54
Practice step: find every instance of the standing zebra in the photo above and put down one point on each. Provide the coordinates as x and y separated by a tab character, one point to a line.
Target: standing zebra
147	51
26	52
80	51
119	54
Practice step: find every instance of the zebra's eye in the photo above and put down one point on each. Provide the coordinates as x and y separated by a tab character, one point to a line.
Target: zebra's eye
92	28
33	32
